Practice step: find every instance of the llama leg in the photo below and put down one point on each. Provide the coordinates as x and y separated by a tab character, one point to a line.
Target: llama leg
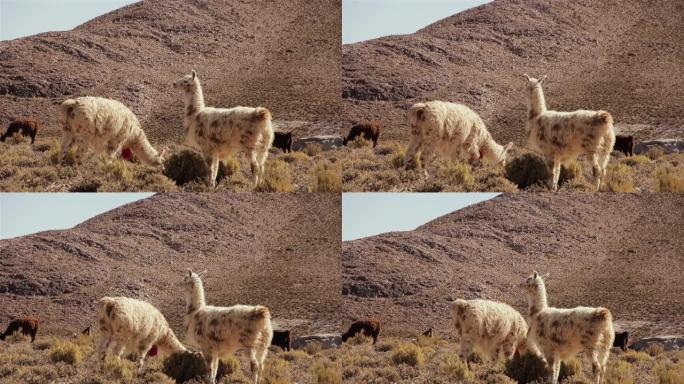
466	349
213	170
603	360
261	358
82	149
119	349
556	369
426	158
555	174
509	349
67	142
213	368
254	365
261	159
413	147
595	366
102	347
141	358
603	160
596	170
252	156
114	151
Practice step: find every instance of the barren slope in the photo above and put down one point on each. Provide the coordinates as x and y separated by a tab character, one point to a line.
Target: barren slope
282	55
624	56
623	251
280	250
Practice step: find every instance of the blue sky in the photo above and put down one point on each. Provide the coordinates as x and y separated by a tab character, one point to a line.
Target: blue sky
368	214
20	18
368	19
26	213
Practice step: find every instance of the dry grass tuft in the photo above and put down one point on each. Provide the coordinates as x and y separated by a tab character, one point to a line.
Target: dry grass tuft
669	179
294	157
619	178
326	372
670	372
655	153
619	372
277	372
457	370
655	349
359	142
313	347
65	351
313	149
327	177
635	160
409	354
277	177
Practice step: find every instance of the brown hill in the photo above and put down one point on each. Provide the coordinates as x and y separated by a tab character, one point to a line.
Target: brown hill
623	56
285	56
280	250
622	251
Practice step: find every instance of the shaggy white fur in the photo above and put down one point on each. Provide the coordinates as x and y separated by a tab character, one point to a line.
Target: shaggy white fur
222	132
489	326
453	130
133	325
106	126
561	333
221	331
562	136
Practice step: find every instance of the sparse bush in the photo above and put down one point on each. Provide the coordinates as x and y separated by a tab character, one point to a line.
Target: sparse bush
293	157
655	152
634	160
277	177
385	346
65	351
670	372
359	142
458	175
313	149
119	369
619	178
313	347
327	178
276	371
189	165
326	372
86	186
187	366
527	170
359	339
526	368
457	370
619	372
56	153
118	169
409	354
654	349
494	183
668	179
397	159
42	147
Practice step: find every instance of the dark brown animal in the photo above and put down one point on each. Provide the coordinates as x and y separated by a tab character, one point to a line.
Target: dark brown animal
428	333
367	327
624	144
281	339
282	140
621	340
369	131
27	127
27	325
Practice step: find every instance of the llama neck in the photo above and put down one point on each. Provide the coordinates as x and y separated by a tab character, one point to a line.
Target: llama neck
144	151
194	101
170	342
491	150
537	300
196	299
536	105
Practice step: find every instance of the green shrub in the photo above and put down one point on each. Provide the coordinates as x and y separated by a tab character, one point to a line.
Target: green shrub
189	165
527	170
186	366
526	368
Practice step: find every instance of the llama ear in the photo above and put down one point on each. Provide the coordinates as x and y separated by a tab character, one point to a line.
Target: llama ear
194	74
535	274
508	146
528	77
201	274
542	79
189	271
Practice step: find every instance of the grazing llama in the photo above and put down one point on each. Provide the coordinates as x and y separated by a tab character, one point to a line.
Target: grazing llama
221	132
489	326
562	136
27	325
560	333
106	126
28	127
136	326
453	130
221	331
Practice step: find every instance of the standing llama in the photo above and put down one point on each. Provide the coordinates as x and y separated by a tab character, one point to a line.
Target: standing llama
136	326
489	326
222	132
221	331
560	333
106	126
453	130
562	136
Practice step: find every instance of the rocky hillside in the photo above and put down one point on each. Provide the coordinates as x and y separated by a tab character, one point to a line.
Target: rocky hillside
280	250
285	56
620	55
622	251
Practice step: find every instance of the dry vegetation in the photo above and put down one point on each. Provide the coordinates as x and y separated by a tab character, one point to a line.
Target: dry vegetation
382	169
25	167
425	360
55	359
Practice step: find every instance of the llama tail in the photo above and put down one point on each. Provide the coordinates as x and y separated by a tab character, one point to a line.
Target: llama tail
65	110
142	148
261	113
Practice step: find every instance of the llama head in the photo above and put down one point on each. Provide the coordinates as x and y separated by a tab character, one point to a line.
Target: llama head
187	83
192	282
532	83
533	282
504	153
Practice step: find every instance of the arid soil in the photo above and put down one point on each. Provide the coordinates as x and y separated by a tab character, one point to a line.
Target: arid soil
281	55
279	250
622	56
622	251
